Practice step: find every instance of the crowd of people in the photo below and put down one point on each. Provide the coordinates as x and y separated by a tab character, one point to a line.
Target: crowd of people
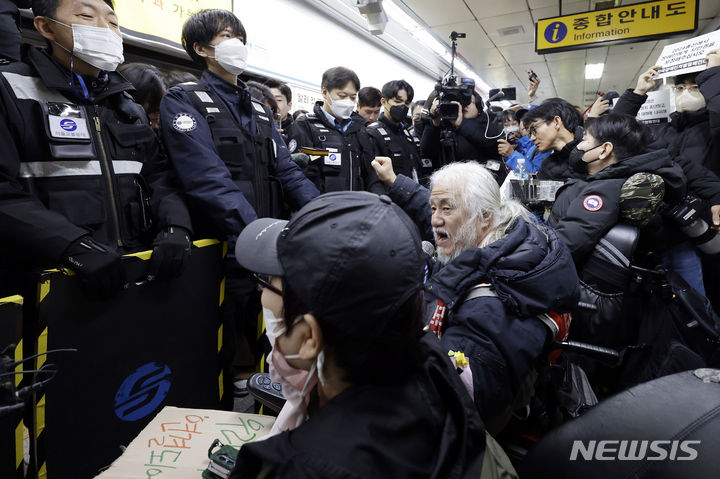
394	360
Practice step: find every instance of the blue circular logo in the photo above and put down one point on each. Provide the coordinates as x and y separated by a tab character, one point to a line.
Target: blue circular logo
556	32
68	125
142	392
333	157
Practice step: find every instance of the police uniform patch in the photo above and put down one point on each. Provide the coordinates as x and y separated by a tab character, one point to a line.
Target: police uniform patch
292	145
593	203
184	122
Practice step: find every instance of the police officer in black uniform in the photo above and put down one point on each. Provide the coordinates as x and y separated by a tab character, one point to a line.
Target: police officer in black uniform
338	136
391	133
9	32
82	178
230	160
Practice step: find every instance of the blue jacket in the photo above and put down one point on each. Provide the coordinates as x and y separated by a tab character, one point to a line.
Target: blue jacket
531	271
528	150
203	175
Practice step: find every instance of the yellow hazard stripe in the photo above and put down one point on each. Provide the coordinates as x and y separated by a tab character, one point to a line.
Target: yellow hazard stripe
42	474
205	242
225	249
18	357
12	299
220	336
42	348
222	291
44	289
221	386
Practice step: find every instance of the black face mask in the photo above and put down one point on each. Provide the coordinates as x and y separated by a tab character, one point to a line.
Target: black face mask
398	113
576	160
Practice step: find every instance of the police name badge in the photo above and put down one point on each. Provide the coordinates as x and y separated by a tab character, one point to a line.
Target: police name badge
593	203
333	158
64	127
184	122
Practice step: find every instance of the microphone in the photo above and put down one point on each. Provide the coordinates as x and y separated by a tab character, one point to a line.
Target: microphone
497	95
429	252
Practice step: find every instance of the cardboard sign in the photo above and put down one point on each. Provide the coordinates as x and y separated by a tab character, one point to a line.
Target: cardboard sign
630	23
657	107
175	444
687	56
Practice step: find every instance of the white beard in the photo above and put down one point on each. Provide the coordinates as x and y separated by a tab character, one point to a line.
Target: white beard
464	239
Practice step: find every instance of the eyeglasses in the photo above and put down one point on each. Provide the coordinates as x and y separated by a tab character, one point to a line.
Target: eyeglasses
533	127
263	282
690	88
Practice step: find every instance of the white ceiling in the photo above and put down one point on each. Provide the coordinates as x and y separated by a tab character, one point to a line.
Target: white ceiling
503	61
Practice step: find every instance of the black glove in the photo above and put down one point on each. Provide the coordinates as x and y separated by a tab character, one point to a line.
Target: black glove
170	250
97	266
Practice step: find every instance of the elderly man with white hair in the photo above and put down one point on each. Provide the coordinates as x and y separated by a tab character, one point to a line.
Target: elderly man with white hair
497	276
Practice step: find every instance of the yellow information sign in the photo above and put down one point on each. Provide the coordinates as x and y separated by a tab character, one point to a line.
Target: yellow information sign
631	23
161	19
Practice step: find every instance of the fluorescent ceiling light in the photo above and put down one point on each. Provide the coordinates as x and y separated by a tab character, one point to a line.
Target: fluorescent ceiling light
398	14
424	37
594	70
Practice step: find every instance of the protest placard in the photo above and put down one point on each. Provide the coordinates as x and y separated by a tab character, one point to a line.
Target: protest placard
687	56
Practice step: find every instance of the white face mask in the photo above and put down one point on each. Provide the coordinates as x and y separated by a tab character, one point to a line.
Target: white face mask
342	108
232	55
689	101
511	129
97	46
274	327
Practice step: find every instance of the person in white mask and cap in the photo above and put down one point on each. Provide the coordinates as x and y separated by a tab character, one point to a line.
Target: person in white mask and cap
369	393
82	176
230	160
334	137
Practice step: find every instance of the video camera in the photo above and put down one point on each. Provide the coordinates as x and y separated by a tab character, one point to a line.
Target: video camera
449	91
687	215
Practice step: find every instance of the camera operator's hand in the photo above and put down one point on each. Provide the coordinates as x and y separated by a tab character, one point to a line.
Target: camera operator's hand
599	107
436	119
646	81
715	210
384	169
713	58
504	148
97	266
532	87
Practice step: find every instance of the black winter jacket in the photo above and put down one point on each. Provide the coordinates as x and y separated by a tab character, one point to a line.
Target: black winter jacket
355	146
72	167
531	271
585	210
422	426
470	144
557	166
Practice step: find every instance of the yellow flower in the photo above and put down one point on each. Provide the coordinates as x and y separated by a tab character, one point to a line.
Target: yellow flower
460	359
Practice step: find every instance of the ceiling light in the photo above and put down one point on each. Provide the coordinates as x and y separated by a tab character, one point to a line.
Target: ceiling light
398	14
594	70
424	37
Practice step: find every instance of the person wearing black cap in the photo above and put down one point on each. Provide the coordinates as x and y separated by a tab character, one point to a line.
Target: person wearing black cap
370	394
497	273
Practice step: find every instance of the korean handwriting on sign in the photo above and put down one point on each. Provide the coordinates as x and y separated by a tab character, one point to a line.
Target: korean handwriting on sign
164	452
240	432
629	15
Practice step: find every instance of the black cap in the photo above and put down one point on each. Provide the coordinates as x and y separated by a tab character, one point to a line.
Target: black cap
349	256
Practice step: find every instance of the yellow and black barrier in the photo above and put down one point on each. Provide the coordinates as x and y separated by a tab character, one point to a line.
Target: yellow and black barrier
154	344
11	421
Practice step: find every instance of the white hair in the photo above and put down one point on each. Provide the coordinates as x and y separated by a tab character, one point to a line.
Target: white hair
477	191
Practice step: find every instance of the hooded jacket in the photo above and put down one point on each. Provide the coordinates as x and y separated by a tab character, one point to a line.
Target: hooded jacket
530	270
421	426
585	210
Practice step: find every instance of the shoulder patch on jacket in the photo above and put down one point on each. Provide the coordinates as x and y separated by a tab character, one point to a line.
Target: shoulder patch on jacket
184	122
593	203
292	145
